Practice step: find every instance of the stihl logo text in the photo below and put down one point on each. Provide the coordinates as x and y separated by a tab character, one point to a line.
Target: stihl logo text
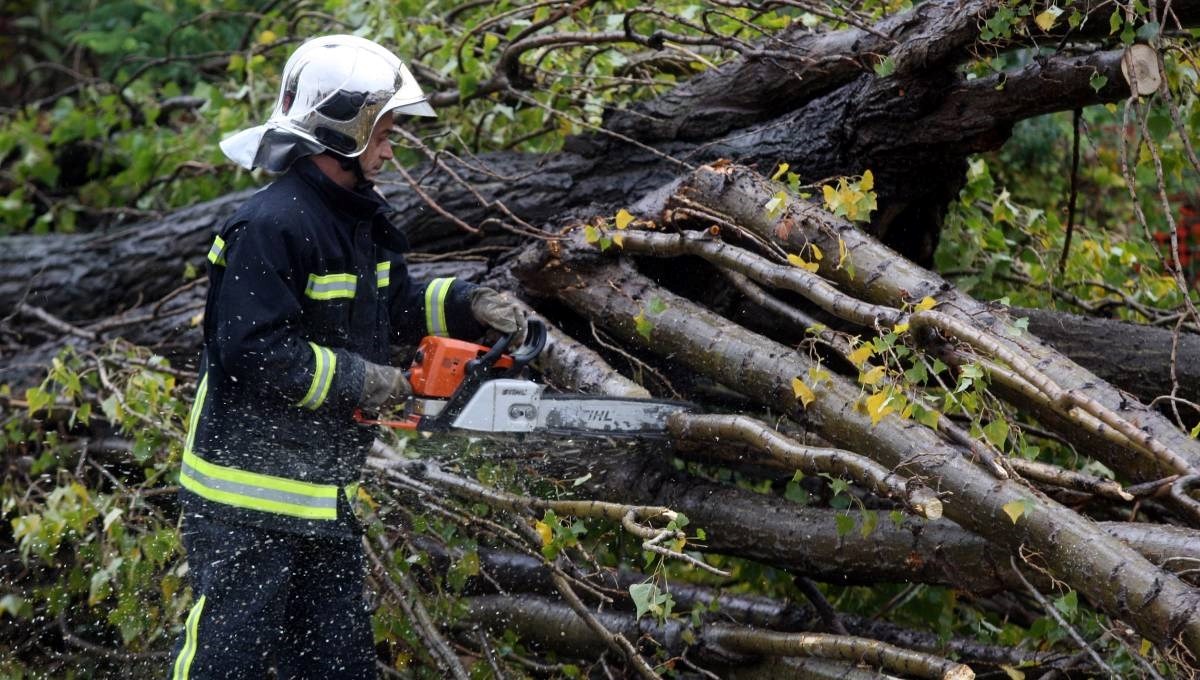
597	416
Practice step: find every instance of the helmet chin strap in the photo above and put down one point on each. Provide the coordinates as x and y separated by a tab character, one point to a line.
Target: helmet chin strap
352	165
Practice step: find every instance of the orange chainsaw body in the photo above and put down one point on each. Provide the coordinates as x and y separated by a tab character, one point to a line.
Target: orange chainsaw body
440	364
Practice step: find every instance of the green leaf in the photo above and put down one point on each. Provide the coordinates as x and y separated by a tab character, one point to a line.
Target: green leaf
643	597
38	399
996	432
643	325
1098	81
870	521
845	524
885	67
657	306
1068	604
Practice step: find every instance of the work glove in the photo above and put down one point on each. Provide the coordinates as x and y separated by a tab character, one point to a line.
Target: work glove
383	386
492	310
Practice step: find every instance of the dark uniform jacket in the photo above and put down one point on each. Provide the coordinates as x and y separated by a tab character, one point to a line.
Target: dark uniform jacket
307	280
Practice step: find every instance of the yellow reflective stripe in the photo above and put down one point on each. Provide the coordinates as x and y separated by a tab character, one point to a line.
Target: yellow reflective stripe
435	306
383	274
216	254
194	416
183	665
330	286
256	491
325	364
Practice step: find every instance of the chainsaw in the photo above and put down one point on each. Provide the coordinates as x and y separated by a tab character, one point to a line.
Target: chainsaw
460	385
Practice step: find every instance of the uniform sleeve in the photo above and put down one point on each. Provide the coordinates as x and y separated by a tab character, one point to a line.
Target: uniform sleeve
257	325
438	307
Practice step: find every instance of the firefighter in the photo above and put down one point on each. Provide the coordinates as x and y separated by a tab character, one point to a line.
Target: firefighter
308	288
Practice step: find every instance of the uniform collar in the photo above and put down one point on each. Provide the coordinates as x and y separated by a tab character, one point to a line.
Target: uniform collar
364	203
360	204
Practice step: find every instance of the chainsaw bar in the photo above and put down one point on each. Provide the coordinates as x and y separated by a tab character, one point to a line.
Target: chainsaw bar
522	406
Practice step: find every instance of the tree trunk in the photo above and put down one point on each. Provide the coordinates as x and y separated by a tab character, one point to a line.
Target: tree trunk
1109	574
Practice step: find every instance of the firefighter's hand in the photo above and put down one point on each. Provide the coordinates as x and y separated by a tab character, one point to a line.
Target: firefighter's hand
492	310
383	386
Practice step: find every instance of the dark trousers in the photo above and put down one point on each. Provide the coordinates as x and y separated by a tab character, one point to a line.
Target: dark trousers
267	598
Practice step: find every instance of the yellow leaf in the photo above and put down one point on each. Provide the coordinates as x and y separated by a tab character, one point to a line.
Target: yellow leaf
1144	650
783	167
802	392
832	199
619	239
816	252
900	328
545	532
267	37
927	303
818	375
867	182
873	376
843	253
860	355
623	218
878	406
1045	20
797	261
1014	509
1013	673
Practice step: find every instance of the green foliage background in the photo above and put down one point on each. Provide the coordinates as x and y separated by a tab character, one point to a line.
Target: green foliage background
112	111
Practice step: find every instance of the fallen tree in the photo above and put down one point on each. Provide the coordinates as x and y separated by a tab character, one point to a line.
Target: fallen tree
840	378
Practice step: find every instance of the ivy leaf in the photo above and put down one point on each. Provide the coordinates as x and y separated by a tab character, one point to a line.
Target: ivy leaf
545	532
619	239
1046	19
885	67
1015	509
775	205
803	392
1098	81
879	405
867	182
644	596
657	306
783	167
927	303
870	521
623	218
996	432
845	524
1068	604
591	234
859	356
873	376
38	399
797	261
643	325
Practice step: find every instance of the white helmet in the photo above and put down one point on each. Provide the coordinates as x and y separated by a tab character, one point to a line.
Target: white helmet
335	88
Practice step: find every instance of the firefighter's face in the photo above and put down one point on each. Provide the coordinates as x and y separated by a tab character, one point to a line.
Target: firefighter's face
379	148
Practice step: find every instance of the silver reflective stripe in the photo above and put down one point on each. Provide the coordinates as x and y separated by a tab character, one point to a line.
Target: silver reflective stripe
216	254
322	504
330	286
435	306
324	366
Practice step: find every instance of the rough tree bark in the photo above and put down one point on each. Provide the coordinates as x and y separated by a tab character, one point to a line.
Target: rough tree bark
814	102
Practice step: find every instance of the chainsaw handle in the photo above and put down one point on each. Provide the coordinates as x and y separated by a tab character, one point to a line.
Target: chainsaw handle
535	342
